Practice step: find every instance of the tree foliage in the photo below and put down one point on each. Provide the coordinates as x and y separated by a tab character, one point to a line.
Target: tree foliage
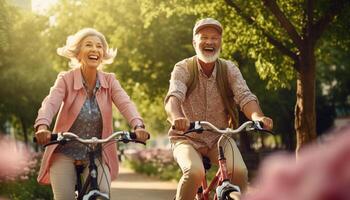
282	37
152	35
146	50
25	69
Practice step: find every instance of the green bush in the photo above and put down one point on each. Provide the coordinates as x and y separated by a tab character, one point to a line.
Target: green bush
164	172
158	163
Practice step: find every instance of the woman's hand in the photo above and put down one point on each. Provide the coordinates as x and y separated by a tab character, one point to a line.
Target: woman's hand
141	134
43	135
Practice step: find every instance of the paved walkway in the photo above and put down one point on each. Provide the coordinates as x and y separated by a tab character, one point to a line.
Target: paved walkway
133	186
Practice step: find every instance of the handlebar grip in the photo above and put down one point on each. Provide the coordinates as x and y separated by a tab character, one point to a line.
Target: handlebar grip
192	124
134	136
259	125
54	137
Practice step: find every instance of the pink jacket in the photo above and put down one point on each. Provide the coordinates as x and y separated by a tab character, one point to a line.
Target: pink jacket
68	95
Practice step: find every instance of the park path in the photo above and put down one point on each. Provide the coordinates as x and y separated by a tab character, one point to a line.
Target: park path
132	186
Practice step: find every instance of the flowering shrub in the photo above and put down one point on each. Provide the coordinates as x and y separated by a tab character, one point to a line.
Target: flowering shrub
14	158
154	162
18	172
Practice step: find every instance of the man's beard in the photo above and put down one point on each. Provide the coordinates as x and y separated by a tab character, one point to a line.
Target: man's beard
207	59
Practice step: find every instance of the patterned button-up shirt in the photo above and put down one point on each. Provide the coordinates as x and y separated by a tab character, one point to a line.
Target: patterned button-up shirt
87	125
205	103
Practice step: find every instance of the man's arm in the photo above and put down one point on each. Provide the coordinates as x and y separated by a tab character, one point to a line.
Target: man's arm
175	114
253	111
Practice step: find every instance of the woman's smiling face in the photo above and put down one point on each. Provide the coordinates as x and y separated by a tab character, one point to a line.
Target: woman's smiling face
91	52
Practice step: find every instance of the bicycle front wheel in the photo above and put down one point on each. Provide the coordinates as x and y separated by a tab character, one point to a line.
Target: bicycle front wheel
98	197
233	196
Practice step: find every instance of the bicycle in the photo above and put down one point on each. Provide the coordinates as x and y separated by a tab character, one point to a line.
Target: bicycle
88	189
224	189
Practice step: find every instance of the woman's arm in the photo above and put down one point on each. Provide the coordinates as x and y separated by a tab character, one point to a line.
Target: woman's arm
124	104
49	108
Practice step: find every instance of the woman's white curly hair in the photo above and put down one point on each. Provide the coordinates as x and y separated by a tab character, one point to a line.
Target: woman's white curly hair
72	47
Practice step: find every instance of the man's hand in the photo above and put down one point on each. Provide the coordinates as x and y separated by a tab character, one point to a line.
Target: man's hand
253	111
141	134
267	122
43	135
181	124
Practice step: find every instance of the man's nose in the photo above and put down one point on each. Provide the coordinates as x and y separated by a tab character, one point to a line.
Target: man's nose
210	41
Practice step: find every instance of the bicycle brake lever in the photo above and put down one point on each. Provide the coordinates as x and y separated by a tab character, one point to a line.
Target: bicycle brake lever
136	141
61	142
197	130
258	125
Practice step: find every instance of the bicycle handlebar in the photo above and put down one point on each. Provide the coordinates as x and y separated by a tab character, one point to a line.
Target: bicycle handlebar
199	126
124	136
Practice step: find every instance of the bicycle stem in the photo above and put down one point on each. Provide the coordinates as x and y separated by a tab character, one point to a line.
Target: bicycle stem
93	171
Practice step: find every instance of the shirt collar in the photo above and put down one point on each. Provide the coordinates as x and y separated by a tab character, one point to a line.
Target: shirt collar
78	79
97	84
201	70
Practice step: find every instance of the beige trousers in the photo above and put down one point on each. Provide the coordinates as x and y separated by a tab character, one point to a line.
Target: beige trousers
63	177
190	162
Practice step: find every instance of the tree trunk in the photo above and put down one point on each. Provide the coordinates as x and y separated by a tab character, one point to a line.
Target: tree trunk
25	133
305	114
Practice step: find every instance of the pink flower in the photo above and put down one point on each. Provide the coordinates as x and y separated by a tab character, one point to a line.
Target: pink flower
322	172
14	157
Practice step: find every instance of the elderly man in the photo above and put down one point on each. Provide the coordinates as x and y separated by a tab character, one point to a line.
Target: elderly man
206	87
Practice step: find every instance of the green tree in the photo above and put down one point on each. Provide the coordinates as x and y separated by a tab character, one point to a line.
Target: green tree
303	25
147	50
25	70
282	37
5	25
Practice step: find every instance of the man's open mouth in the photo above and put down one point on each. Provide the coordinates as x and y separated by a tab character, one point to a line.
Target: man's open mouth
209	49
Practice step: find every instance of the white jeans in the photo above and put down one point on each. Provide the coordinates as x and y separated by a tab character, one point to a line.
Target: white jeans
63	177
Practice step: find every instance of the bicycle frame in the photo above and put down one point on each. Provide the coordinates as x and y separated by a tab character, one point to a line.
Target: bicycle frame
221	182
221	176
91	181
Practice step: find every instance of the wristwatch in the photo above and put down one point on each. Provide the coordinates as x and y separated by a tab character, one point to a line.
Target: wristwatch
139	126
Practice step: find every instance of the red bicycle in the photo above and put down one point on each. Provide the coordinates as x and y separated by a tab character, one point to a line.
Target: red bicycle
224	189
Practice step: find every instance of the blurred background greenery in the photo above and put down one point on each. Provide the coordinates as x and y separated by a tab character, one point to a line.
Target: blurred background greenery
152	35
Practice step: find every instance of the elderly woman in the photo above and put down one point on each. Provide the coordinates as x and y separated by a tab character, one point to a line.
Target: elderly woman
83	98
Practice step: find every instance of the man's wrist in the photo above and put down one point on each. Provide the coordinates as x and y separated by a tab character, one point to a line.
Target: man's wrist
42	127
139	126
